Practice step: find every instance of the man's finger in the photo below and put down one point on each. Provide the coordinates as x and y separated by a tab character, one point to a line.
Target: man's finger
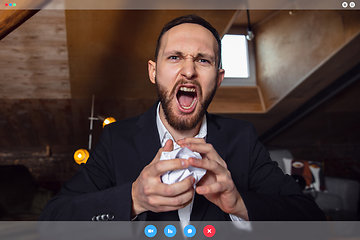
160	167
207	164
216	187
186	141
204	148
169	146
178	202
175	189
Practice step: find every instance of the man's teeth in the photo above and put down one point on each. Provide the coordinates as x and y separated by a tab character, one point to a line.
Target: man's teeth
189	106
186	89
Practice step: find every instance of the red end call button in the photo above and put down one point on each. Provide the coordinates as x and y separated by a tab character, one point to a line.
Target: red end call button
209	231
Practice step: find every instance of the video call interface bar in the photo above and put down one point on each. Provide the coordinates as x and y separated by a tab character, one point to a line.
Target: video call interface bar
32	230
183	4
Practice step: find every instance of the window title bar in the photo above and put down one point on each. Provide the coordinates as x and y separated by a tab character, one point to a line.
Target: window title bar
180	4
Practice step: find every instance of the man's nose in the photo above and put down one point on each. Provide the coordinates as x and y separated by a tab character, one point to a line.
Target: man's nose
188	69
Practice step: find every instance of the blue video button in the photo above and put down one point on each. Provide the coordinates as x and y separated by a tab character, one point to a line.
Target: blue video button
150	231
189	231
170	231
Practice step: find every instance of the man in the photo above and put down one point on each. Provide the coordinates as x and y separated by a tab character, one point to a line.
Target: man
122	178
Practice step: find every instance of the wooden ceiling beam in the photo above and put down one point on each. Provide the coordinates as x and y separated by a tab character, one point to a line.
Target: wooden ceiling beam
11	19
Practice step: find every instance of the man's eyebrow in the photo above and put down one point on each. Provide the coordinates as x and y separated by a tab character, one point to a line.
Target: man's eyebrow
205	55
173	52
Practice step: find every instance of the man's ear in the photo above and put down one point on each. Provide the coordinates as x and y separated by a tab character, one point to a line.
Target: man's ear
220	77
152	70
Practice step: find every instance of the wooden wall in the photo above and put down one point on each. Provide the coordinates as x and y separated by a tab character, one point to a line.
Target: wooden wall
34	59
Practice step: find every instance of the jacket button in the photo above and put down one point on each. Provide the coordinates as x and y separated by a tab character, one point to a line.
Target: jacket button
104	217
110	216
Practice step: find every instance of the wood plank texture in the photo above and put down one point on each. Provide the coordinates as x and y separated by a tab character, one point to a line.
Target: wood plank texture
290	47
34	59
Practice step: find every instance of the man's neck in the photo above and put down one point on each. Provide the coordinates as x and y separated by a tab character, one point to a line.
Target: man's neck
176	134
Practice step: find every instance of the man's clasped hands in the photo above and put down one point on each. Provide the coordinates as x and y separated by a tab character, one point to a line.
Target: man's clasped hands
149	193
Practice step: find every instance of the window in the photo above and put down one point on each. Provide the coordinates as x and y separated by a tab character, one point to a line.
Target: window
237	60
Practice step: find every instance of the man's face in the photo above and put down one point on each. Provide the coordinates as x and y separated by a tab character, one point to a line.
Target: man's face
185	74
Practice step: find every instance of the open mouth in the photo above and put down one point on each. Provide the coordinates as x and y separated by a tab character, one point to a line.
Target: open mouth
187	98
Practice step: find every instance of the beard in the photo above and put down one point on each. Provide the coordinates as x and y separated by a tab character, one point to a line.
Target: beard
187	121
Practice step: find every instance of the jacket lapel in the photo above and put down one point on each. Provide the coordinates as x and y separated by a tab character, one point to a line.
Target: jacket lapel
216	137
218	140
147	140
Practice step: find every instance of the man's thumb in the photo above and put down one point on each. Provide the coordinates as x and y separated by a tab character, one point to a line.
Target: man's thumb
167	148
169	145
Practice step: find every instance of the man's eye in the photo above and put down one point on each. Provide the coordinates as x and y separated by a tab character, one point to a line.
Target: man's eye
173	57
204	61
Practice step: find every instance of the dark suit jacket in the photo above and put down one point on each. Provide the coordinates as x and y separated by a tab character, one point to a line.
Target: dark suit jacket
103	184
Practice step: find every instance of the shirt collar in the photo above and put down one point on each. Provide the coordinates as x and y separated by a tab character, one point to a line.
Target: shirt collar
165	135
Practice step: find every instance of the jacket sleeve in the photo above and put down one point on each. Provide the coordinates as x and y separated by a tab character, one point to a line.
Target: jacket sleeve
271	195
92	191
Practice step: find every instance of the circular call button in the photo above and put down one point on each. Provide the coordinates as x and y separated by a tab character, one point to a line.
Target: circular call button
189	231
170	231
150	231
209	231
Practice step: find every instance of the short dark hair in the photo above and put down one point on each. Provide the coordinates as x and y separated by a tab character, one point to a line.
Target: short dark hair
192	18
